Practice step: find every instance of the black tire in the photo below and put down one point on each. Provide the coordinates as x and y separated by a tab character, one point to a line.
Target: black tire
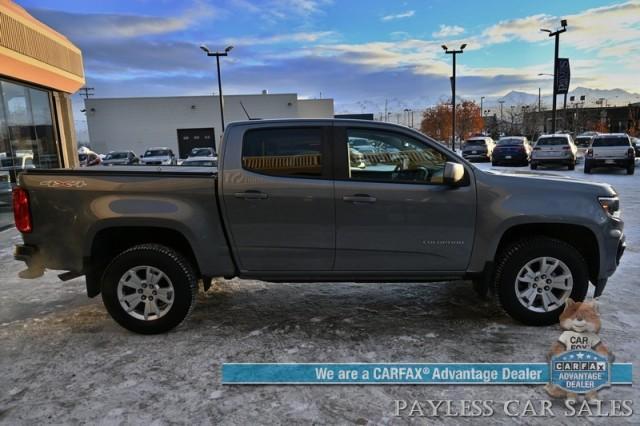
175	266
494	163
631	169
572	166
534	166
587	167
515	257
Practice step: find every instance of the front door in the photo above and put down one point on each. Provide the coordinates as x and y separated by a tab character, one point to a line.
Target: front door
393	211
278	198
188	139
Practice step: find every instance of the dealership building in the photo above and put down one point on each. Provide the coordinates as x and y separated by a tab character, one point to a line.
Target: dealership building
182	123
39	70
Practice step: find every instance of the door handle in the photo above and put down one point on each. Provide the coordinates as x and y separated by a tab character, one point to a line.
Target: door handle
251	195
359	198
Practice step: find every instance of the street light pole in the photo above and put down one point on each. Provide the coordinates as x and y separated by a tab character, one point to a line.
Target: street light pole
218	55
555	34
453	91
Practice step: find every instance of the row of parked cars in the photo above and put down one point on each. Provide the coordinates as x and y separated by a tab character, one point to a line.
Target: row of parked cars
600	150
161	156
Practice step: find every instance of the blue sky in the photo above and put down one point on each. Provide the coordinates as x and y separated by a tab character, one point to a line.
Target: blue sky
357	52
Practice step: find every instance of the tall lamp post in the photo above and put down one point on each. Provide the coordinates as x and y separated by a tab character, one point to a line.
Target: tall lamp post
453	91
218	55
555	34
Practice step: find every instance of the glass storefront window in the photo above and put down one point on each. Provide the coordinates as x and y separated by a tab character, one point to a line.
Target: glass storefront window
27	137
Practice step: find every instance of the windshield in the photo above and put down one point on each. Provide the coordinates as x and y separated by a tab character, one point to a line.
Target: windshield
551	141
201	163
475	142
157	153
116	156
201	152
610	141
511	141
583	140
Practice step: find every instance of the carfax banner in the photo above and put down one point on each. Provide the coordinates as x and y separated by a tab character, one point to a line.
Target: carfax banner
427	374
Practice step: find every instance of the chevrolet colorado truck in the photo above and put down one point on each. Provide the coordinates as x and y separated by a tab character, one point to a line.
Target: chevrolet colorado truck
287	203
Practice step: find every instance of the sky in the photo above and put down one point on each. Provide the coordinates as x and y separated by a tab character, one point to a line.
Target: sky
360	53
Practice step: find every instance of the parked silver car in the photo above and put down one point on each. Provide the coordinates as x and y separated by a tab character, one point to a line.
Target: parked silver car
554	149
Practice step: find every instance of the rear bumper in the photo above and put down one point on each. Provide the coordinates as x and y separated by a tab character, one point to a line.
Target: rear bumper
610	162
515	158
25	253
31	256
564	161
477	156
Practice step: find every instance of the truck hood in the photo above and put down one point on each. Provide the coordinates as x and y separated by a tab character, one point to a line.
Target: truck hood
547	182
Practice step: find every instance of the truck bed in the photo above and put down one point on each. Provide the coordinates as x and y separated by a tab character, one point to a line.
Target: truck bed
72	209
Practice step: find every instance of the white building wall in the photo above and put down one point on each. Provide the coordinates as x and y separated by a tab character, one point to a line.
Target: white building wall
140	123
314	108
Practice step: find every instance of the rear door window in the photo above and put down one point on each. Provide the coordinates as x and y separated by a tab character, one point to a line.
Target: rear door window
551	141
287	152
611	141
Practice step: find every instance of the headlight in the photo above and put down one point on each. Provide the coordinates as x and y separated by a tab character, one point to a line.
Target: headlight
611	205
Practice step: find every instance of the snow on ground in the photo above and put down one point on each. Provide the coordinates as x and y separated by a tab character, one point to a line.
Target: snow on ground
63	360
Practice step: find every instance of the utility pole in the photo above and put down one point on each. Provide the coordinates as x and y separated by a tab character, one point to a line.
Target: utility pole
453	91
501	102
556	34
386	101
218	55
86	91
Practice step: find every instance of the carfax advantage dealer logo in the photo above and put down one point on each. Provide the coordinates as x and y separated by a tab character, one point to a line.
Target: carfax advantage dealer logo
580	371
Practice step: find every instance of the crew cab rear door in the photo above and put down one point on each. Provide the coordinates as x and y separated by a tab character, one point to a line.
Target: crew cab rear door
393	211
278	196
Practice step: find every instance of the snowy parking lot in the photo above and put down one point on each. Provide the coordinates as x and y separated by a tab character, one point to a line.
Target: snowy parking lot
63	360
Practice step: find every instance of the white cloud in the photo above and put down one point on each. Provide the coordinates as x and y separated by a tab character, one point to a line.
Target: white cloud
448	31
115	26
299	37
275	10
603	29
402	15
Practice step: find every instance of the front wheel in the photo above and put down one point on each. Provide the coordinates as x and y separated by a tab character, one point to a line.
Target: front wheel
149	288
536	276
631	169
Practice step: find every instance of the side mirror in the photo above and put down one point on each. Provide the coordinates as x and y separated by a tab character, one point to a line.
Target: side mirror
453	173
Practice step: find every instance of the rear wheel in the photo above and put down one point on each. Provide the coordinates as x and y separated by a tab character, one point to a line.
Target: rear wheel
149	289
587	167
534	166
572	165
631	169
535	277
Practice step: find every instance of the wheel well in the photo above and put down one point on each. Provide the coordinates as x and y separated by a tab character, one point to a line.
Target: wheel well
580	237
108	242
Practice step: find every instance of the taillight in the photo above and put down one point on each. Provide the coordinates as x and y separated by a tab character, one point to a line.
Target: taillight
631	153
21	212
566	148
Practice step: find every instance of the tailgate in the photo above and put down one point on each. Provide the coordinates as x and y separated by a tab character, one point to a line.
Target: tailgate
612	152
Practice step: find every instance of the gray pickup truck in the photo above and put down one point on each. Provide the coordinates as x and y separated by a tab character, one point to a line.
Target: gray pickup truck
317	201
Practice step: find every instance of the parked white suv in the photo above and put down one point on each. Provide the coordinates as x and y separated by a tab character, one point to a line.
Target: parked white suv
554	149
611	150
